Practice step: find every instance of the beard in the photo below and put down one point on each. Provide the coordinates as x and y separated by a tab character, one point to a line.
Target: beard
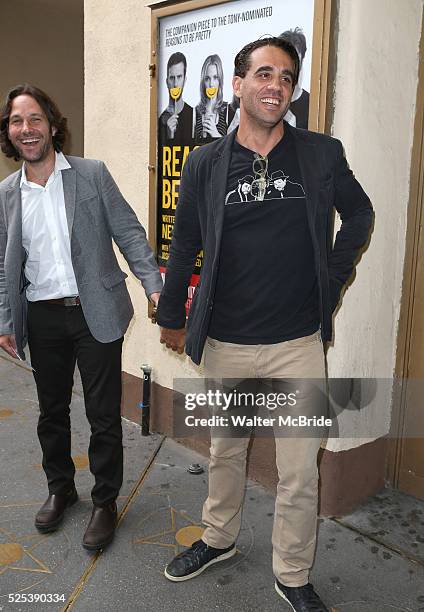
36	154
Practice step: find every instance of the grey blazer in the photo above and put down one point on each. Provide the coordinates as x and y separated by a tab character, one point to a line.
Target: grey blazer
96	213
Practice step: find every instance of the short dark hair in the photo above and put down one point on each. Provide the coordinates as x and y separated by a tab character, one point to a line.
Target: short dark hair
54	117
177	58
242	59
297	38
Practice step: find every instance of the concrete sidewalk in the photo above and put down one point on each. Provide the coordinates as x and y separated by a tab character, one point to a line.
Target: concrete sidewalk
370	561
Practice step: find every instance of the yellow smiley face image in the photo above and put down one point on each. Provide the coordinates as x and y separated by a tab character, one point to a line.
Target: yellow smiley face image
211	92
175	92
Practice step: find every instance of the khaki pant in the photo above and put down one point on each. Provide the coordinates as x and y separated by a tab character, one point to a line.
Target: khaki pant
295	518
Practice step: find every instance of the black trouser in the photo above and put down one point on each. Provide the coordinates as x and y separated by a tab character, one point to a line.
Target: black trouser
58	336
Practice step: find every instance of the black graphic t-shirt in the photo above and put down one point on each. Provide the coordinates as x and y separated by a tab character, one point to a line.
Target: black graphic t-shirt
267	288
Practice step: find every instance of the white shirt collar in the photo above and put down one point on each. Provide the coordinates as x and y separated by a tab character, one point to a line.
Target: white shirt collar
61	163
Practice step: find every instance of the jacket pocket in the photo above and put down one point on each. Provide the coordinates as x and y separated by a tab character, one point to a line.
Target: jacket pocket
113	278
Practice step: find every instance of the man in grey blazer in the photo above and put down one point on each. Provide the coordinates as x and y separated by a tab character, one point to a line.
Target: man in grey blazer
62	291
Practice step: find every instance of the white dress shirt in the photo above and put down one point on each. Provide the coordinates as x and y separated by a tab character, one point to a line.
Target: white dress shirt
45	237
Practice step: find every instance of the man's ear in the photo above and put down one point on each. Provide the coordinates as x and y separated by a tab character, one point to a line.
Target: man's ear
236	82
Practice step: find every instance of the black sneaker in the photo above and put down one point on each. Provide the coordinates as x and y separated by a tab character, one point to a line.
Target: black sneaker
301	599
195	559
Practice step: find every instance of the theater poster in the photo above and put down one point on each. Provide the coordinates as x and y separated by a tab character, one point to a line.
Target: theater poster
193	57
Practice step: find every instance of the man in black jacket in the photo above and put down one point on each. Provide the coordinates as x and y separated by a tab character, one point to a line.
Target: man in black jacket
270	281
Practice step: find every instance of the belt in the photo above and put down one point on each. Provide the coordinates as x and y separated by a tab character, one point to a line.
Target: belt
66	301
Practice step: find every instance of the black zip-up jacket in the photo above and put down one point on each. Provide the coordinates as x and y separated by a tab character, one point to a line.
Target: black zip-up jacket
199	219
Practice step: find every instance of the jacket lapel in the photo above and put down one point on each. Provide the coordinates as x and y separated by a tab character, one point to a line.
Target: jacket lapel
220	167
13	210
310	170
69	178
309	165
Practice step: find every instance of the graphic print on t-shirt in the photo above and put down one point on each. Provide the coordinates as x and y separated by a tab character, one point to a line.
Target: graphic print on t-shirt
266	289
276	185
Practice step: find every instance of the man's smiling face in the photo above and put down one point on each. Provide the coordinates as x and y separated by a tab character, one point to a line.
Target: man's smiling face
29	130
265	92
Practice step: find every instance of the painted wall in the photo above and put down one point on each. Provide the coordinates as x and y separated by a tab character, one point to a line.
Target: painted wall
42	43
375	95
376	82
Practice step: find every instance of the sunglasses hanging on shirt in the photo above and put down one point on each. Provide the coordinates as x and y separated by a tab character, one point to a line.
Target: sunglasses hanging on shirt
259	184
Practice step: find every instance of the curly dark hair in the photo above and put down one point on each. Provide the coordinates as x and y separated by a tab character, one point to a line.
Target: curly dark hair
49	108
242	59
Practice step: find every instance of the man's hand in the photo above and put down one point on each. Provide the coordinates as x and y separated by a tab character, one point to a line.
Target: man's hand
8	344
173	338
154	297
172	124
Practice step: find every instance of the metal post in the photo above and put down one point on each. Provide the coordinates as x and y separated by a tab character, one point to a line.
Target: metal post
145	403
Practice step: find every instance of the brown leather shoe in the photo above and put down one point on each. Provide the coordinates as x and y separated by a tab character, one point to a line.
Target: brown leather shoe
101	528
51	513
